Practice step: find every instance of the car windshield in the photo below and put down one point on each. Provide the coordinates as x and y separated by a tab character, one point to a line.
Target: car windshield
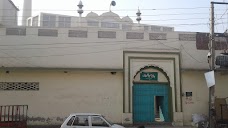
108	121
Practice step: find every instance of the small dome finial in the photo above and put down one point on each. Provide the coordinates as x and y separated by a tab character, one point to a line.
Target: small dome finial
113	3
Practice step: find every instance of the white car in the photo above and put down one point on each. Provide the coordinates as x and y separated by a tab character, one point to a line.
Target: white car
88	120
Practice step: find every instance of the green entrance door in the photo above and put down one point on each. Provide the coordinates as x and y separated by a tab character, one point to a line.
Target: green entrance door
144	102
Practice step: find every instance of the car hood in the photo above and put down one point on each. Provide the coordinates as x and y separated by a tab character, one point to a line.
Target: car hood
117	126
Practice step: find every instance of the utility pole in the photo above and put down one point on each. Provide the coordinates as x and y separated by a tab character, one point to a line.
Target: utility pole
212	66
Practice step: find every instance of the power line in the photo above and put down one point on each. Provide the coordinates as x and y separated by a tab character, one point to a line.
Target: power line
93	42
105	44
159	42
71	54
147	9
124	15
18	60
105	50
221	15
182	48
119	21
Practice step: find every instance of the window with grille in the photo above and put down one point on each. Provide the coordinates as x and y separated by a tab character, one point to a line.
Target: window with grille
134	35
167	29
158	36
19	86
16	31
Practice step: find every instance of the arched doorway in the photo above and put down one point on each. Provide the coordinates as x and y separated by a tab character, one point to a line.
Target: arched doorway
151	96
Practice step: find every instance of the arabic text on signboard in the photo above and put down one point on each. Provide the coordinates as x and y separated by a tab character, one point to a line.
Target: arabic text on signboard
148	76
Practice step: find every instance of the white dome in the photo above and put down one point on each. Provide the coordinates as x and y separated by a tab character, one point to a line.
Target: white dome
110	15
92	15
127	19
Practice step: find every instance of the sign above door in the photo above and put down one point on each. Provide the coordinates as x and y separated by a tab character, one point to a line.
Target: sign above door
149	76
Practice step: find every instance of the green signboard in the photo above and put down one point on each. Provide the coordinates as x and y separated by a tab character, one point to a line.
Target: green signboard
148	76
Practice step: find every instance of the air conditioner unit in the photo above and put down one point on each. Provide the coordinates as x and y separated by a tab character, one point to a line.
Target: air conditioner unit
222	60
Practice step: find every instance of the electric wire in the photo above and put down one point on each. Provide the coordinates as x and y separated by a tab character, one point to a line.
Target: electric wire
73	54
182	48
103	44
159	42
146	9
125	21
163	14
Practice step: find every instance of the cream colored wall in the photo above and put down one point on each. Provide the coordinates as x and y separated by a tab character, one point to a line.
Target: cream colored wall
63	93
194	81
59	51
221	88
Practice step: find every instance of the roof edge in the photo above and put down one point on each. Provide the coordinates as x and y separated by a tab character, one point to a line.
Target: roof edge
14	5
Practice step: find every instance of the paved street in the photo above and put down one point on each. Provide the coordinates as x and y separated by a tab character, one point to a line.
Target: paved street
147	126
163	126
158	126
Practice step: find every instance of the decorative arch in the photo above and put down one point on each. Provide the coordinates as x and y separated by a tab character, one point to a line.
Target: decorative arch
153	67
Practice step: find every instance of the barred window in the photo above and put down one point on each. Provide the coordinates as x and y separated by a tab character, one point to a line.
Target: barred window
167	29
16	31
19	86
158	36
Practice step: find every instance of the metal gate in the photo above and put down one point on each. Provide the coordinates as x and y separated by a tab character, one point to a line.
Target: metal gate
143	102
13	116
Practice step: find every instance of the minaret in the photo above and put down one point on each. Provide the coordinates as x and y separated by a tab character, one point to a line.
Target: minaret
27	11
80	11
138	16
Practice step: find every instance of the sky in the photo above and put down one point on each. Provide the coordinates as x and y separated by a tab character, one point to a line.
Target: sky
183	15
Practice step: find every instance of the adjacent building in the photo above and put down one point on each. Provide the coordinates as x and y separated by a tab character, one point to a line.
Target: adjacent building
8	13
